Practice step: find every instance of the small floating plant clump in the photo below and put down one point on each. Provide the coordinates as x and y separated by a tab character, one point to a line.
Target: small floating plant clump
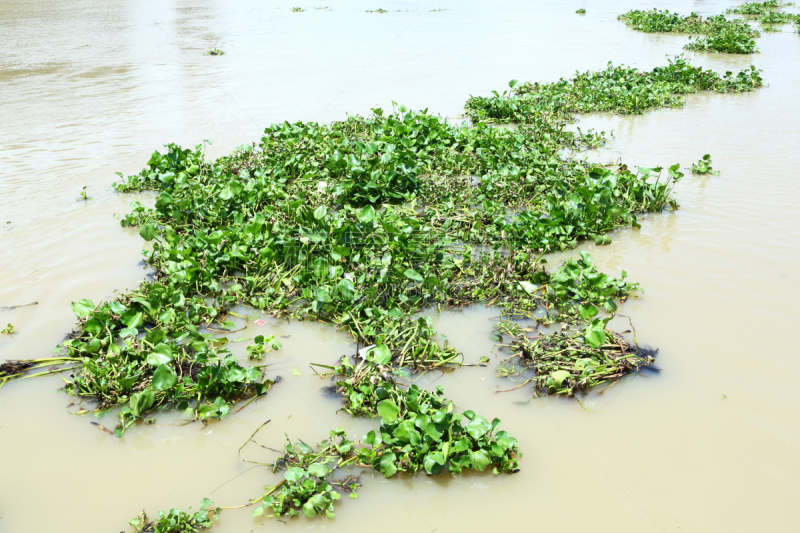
297	10
757	8
733	36
581	11
176	521
215	52
621	89
703	166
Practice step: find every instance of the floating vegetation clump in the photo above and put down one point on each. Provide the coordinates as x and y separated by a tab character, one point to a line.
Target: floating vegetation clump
379	10
9	329
215	52
756	8
176	521
581	11
716	33
621	89
703	166
733	36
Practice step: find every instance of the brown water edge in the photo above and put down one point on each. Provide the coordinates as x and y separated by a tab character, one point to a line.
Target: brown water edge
656	453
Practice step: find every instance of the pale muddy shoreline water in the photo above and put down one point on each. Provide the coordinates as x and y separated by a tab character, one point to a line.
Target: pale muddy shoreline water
708	444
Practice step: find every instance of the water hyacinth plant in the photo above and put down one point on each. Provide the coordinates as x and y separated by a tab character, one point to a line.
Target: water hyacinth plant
368	224
621	89
703	166
732	36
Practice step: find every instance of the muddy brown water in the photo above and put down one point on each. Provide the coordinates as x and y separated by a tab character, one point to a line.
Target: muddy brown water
711	443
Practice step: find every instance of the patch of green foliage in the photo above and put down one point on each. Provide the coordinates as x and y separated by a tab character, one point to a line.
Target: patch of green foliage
731	36
703	166
755	8
622	90
8	330
581	11
177	521
379	10
297	10
777	17
215	52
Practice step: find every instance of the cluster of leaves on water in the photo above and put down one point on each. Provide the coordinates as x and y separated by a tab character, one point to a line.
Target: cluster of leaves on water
621	89
581	11
566	363
716	33
419	431
177	521
9	329
297	10
365	224
215	52
720	34
703	166
757	8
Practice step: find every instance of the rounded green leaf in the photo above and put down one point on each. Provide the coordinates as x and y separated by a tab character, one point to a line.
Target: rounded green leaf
161	355
478	427
413	275
147	232
595	337
559	376
367	214
320	212
388	410
381	354
82	308
164	378
480	460
294	474
318	470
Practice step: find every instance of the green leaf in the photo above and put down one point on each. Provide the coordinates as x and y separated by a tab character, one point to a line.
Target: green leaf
381	354
309	510
296	372
386	465
478	427
588	312
388	410
559	376
320	212
147	232
294	474
161	355
317	469
141	402
164	378
595	337
132	318
413	275
480	460
367	214
82	308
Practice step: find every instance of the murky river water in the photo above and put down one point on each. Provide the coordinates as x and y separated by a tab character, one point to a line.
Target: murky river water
711	443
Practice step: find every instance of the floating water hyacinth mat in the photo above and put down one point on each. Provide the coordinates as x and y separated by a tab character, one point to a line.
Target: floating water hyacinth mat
716	33
367	224
621	89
